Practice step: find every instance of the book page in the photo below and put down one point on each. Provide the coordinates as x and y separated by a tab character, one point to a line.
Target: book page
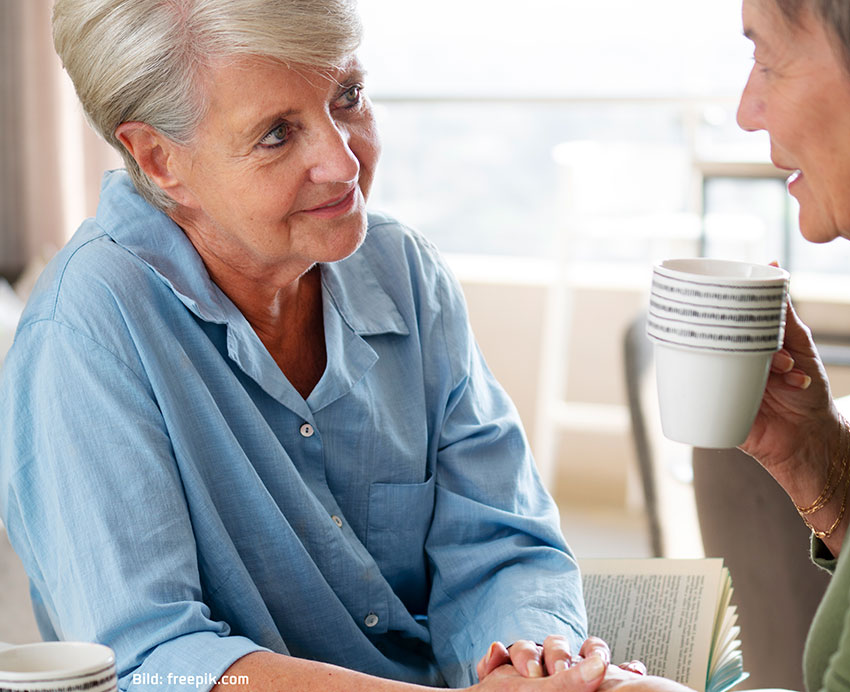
659	611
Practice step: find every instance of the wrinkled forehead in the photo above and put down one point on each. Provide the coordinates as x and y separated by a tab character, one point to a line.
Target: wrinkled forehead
245	98
759	16
314	74
767	25
246	66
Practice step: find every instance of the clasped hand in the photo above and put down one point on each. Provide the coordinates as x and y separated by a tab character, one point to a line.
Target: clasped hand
582	672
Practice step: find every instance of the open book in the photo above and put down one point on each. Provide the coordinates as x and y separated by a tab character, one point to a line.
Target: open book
674	615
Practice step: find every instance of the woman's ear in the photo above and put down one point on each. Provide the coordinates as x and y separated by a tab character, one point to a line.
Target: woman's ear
156	155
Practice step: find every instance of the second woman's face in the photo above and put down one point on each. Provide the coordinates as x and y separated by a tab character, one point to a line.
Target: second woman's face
799	92
280	167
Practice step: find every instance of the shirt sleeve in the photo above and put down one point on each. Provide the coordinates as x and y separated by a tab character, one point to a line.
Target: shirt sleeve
95	508
821	555
501	568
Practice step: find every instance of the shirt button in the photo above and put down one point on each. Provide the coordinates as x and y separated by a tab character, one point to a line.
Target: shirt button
337	520
371	620
306	430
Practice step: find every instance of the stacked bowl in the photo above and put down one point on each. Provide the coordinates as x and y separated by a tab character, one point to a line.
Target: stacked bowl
63	666
716	325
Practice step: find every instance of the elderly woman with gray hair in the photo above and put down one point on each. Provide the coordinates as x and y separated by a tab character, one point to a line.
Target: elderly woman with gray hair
246	429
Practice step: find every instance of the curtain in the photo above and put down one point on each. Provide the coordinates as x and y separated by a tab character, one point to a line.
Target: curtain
51	161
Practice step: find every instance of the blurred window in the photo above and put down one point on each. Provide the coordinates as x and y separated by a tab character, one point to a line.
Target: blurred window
513	131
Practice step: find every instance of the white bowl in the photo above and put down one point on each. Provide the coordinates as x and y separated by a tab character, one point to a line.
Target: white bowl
58	667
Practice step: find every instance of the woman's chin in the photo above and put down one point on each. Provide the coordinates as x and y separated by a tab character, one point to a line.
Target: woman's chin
818	227
345	241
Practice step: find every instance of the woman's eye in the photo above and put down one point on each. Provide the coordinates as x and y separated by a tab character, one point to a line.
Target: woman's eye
276	137
761	67
351	97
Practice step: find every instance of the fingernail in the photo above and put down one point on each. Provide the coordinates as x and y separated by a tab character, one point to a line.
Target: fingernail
783	362
534	669
591	668
798	379
560	665
490	652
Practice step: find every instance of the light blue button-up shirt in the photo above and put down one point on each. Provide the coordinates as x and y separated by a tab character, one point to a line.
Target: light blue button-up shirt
173	496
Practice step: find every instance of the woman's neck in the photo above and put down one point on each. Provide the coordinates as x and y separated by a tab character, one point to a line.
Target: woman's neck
283	304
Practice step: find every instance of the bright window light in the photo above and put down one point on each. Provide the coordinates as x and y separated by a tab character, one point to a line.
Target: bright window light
507	128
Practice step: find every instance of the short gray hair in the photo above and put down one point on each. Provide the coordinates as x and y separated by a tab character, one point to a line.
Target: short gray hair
144	60
835	15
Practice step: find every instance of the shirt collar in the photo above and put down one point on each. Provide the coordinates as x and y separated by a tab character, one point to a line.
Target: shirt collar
365	306
161	244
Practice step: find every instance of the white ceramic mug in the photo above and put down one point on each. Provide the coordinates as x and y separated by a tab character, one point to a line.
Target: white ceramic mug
709	399
58	667
716	325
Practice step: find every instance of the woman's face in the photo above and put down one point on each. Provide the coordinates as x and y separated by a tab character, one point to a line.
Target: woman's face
280	168
799	92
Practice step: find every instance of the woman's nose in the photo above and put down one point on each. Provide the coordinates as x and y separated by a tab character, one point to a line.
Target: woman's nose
333	159
750	114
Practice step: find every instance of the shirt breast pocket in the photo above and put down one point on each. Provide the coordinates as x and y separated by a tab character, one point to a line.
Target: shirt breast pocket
398	522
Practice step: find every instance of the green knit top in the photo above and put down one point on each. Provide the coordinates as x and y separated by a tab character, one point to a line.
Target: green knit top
826	659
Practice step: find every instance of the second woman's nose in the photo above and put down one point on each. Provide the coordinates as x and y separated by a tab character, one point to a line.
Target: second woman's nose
750	115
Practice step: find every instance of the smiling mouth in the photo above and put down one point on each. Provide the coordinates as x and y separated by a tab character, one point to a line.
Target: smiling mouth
334	202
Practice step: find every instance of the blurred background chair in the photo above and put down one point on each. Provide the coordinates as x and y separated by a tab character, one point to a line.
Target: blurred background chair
746	518
637	357
664	467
